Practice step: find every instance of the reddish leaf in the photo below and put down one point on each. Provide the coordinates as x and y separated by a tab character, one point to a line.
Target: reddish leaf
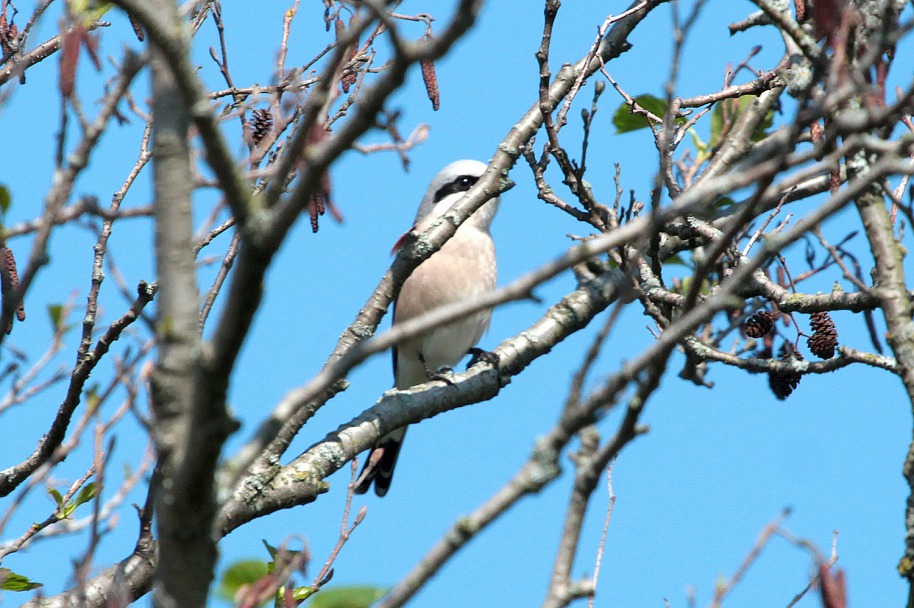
254	595
72	41
91	42
834	587
875	98
826	17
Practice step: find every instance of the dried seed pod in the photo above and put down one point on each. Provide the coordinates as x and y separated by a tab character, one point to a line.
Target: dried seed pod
784	383
322	199
315	209
759	324
319	201
349	74
137	28
9	283
348	79
261	125
824	339
431	82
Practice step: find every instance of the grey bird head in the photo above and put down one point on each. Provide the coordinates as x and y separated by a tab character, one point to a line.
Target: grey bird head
447	187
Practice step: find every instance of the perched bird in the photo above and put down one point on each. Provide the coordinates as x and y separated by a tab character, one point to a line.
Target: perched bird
463	269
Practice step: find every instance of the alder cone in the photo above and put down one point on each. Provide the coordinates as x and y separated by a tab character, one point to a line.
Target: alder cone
782	384
261	125
824	339
759	324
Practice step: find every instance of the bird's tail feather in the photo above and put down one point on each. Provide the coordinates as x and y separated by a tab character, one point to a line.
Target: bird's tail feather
379	468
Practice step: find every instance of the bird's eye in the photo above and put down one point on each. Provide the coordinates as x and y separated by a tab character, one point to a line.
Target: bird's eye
459	184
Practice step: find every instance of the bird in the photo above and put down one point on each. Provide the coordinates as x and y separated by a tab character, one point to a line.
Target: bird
463	269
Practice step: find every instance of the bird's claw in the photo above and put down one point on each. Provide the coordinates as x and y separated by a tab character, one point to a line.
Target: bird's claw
486	356
444	373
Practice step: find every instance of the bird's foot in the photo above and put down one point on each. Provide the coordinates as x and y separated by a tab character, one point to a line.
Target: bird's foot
445	374
485	356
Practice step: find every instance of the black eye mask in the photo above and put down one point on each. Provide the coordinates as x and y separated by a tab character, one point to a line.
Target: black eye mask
459	184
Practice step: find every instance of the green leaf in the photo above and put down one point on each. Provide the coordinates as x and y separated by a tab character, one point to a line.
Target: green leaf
5	199
625	121
57	496
348	597
10	581
92	398
724	116
761	131
270	548
281	557
700	145
86	494
240	573
88	11
686	284
55	312
300	594
728	111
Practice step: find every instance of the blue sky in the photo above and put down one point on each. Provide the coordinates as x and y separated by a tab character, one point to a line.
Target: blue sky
692	495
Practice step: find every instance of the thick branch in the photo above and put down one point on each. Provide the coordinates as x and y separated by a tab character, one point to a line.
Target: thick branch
188	427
